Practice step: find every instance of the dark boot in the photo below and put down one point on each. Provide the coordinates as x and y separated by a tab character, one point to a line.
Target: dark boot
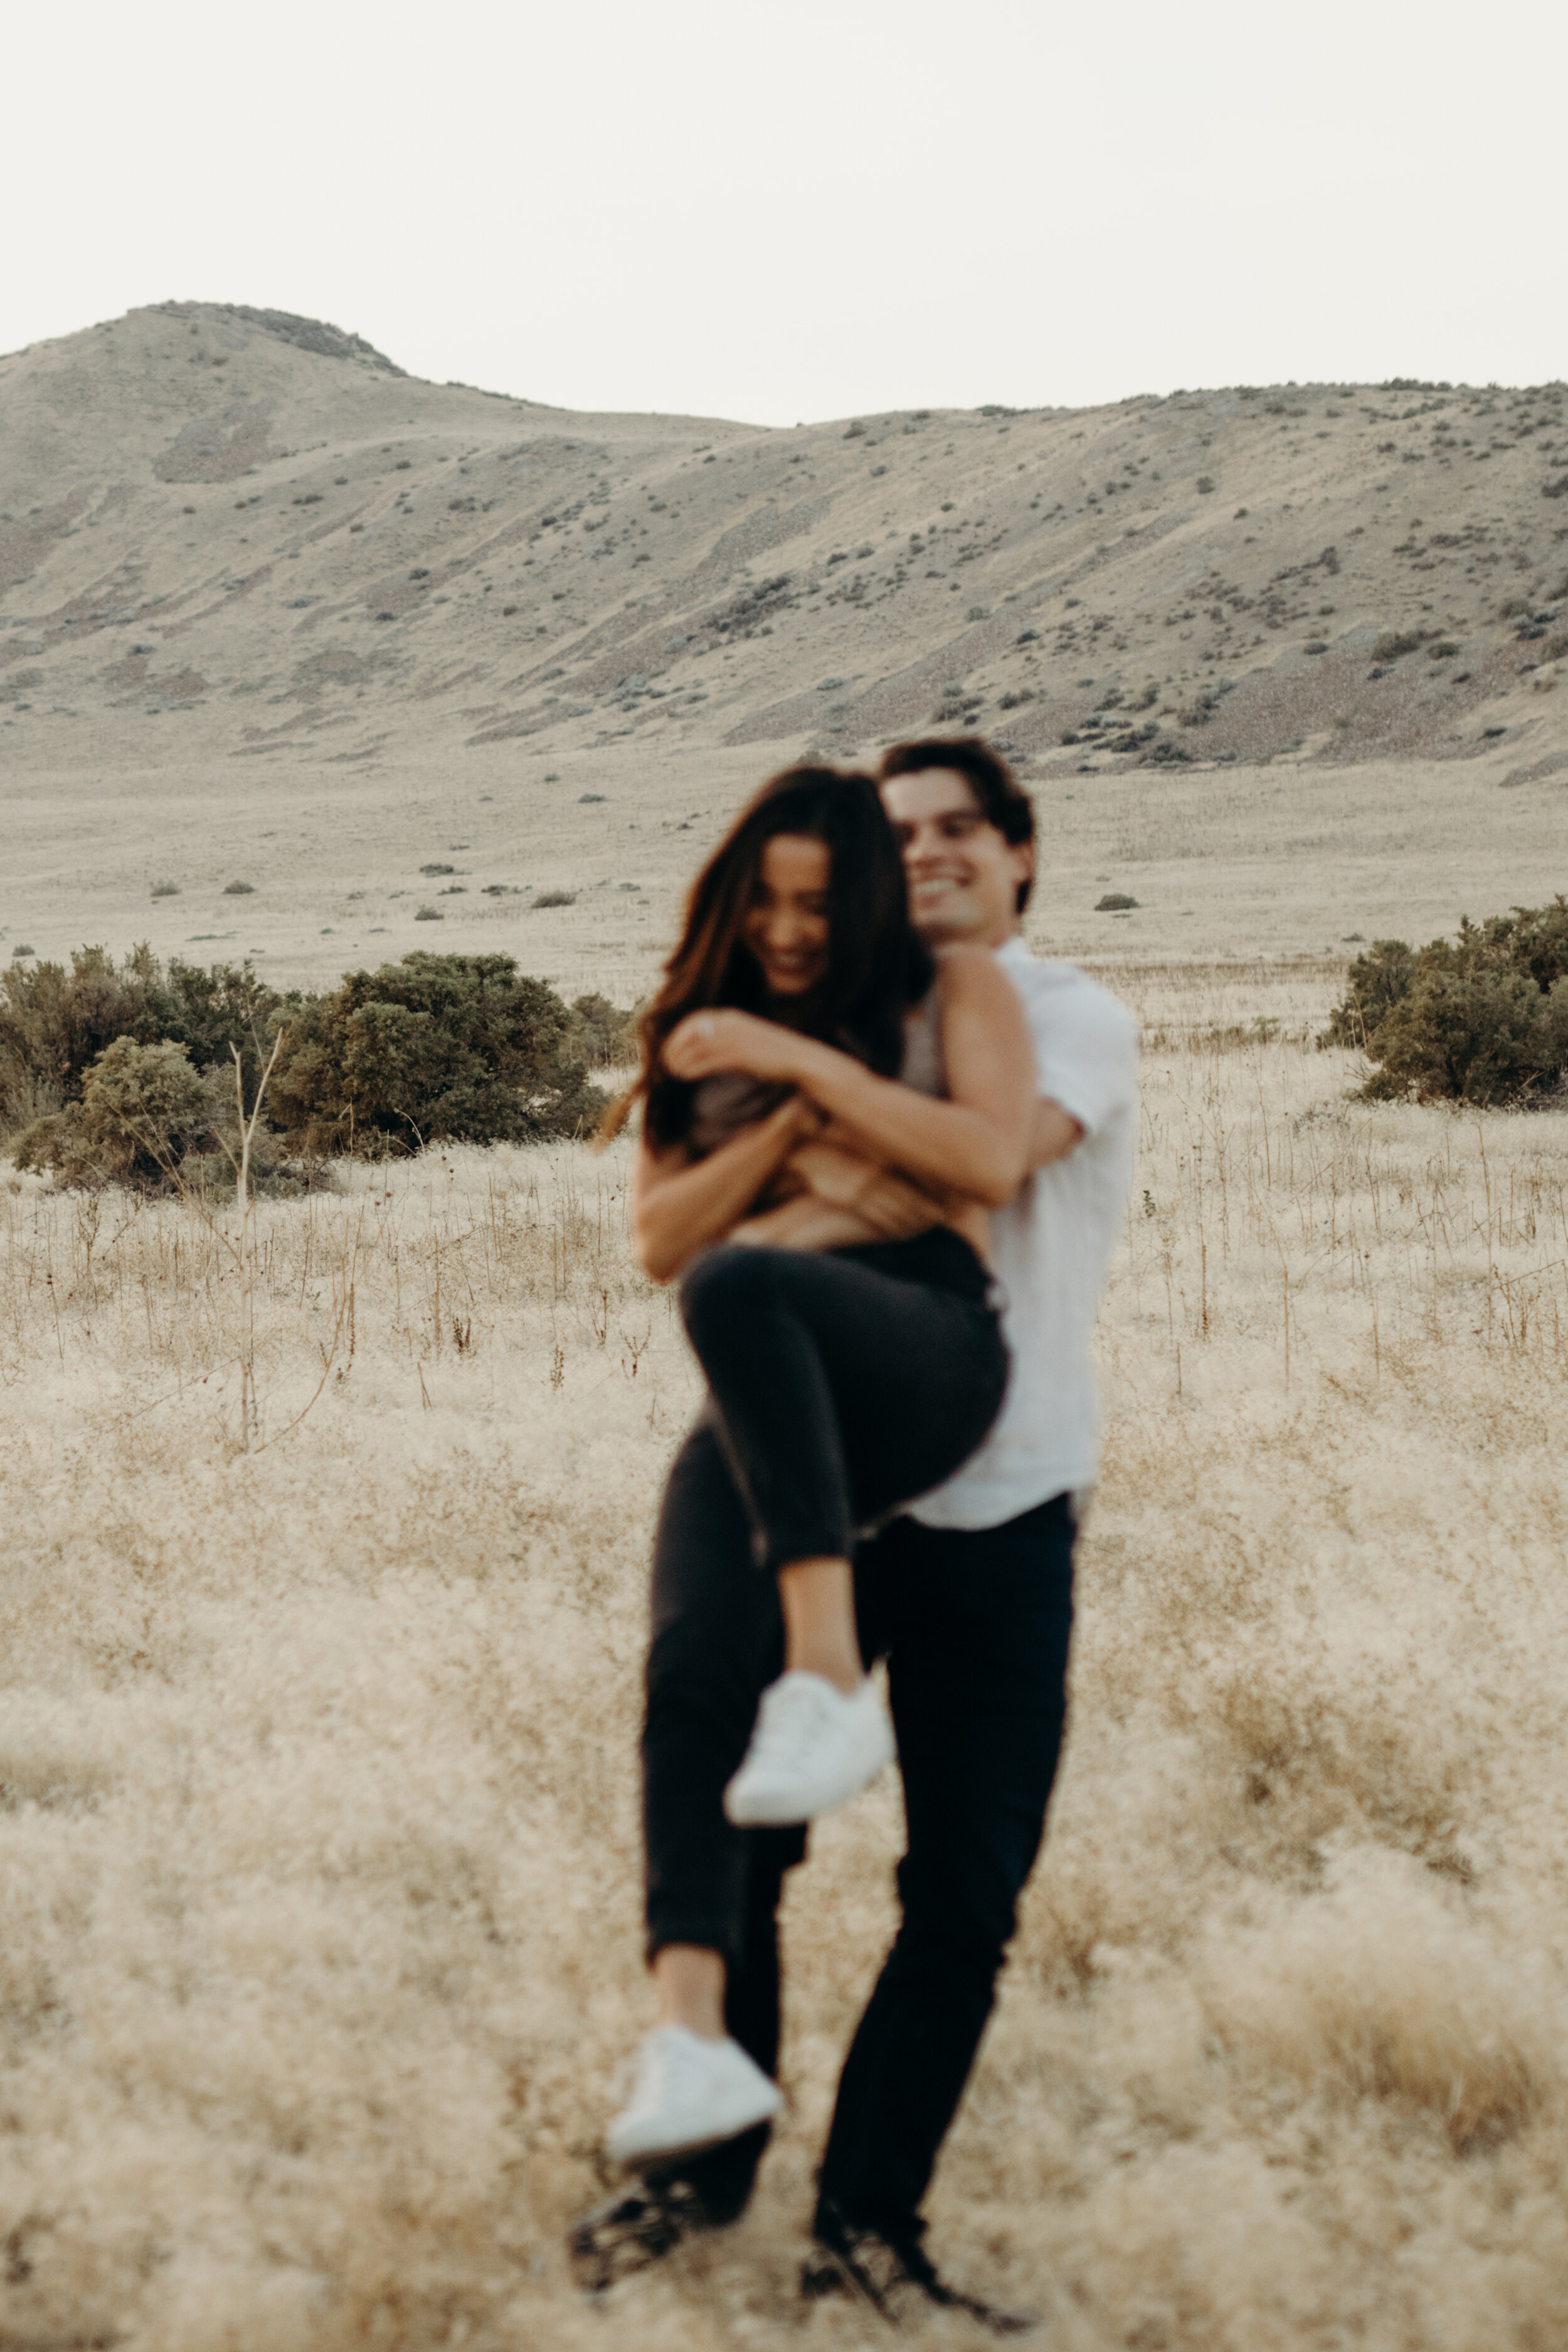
889	2268
643	2224
635	2231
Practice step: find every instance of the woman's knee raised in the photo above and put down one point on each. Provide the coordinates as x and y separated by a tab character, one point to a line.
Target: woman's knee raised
722	1287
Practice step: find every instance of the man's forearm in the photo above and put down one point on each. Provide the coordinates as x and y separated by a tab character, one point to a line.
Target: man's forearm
936	1142
1054	1133
893	1203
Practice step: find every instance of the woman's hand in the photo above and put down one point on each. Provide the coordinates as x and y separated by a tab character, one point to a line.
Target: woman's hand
707	1042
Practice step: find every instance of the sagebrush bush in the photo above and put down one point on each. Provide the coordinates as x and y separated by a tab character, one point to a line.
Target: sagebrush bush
53	1024
436	1049
1373	985
151	1121
143	1108
1482	1019
607	1036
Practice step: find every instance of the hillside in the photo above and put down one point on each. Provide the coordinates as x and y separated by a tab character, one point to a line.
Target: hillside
250	571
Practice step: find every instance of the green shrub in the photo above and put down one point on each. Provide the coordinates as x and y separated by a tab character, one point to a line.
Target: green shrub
1477	1036
1393	643
142	1108
436	1049
223	1008
125	1073
53	1024
1373	985
606	1035
1482	1019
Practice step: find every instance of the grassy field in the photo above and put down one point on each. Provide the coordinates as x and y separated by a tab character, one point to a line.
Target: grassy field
318	1863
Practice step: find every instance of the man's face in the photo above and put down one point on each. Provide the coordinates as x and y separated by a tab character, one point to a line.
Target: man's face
964	877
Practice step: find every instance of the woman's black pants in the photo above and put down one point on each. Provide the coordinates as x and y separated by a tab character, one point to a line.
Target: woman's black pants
838	1390
892	1394
843	1383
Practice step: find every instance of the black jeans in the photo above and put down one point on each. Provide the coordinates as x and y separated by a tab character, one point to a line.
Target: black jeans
845	1382
976	1628
839	1389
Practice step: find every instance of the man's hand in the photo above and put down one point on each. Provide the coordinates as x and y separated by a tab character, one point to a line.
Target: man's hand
806	1224
1056	1133
890	1204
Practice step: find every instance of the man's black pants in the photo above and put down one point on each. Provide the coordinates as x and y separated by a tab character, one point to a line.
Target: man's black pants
976	1628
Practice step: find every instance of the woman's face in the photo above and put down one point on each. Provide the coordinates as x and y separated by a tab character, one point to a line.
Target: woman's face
786	924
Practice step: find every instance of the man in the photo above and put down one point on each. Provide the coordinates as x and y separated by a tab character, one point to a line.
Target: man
969	1596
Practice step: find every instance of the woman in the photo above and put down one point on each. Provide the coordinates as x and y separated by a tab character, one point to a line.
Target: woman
847	1372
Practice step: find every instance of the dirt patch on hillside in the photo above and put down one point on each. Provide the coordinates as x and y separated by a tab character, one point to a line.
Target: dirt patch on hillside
219	449
24	542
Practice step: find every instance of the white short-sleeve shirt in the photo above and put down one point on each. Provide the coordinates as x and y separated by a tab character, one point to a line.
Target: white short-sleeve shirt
1051	1250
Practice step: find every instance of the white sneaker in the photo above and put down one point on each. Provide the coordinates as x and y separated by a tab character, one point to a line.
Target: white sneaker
689	2093
812	1749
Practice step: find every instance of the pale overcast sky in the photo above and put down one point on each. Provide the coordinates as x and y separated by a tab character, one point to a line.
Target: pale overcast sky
782	213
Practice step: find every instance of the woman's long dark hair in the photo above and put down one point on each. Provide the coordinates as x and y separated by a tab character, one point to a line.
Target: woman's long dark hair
876	965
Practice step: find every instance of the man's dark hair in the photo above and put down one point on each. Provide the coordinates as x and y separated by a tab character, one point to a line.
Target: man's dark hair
1003	801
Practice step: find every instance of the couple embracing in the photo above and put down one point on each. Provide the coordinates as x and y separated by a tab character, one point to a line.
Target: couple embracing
884	1151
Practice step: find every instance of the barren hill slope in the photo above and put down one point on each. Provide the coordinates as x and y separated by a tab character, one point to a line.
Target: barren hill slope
236	547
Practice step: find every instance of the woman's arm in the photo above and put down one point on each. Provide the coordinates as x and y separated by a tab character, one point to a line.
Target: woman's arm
976	1144
681	1205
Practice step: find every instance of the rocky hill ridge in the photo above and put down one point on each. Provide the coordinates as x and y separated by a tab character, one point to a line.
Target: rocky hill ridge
256	529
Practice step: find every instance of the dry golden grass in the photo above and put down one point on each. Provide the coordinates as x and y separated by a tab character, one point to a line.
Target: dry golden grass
319	1859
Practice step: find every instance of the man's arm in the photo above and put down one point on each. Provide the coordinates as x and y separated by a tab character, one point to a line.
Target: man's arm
893	1206
1086	1058
975	1143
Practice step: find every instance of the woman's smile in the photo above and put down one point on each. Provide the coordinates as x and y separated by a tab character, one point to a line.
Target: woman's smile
786	926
